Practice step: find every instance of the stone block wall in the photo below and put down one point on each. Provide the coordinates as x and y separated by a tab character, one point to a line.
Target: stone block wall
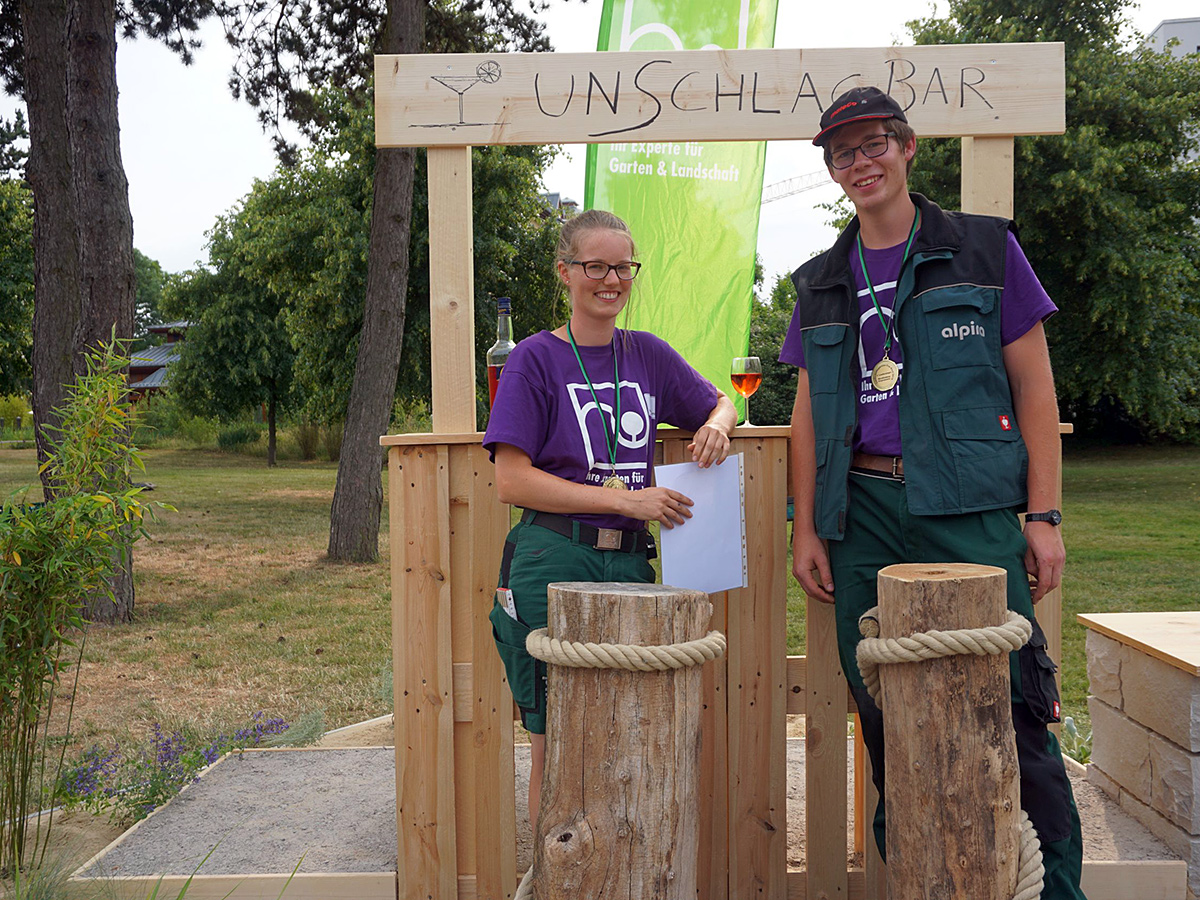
1146	743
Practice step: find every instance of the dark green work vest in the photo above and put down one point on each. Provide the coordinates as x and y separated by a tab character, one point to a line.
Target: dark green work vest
962	448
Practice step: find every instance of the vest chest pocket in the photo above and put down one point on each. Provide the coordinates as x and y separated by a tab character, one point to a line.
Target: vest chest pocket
962	326
823	357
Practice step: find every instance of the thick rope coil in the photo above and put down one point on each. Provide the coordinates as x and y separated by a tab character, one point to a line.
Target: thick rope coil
1030	870
630	657
525	888
874	651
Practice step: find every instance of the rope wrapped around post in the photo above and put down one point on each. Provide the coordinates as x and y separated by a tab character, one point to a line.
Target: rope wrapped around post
874	651
626	657
990	641
630	657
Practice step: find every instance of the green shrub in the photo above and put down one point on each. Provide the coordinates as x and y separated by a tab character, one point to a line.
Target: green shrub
333	440
308	436
237	437
13	407
162	420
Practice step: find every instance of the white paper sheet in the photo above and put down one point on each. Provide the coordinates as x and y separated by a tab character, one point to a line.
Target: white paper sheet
708	551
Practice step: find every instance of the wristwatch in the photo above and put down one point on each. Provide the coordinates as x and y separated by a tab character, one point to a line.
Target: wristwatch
1053	516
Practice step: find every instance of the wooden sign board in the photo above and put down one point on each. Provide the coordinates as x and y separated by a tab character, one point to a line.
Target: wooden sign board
720	95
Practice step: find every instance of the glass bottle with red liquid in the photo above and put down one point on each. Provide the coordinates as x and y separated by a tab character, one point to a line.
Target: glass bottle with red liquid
497	356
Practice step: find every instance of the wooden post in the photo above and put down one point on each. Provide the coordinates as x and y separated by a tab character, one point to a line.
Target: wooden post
620	795
987	175
451	289
952	792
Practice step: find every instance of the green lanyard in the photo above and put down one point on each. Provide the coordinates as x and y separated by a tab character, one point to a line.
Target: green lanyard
610	443
889	325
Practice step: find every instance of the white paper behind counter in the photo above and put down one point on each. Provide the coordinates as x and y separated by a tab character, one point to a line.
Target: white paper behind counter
708	551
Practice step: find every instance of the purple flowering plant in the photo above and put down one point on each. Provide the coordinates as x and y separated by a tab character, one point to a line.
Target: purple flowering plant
132	783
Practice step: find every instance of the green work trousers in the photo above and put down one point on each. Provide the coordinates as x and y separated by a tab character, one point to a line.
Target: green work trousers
535	557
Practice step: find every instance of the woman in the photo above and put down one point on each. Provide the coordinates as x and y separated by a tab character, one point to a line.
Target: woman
579	457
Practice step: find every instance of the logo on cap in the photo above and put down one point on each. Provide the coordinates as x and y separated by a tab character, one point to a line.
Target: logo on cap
841	109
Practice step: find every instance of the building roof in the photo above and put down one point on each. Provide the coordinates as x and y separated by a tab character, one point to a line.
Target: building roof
181	325
156	379
153	357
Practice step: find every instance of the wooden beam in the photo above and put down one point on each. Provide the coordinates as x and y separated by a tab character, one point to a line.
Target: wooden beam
419	492
987	175
825	759
451	289
491	729
701	95
303	886
756	672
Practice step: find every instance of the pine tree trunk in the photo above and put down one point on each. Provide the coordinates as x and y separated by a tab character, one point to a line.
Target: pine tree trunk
84	281
107	271
57	299
108	278
358	497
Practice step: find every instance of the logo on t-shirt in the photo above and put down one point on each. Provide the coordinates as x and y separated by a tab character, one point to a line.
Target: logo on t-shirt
633	433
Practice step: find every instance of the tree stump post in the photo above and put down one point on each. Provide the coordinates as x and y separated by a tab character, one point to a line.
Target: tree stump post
620	797
953	801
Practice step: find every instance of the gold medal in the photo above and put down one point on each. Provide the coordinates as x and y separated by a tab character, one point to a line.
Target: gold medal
885	375
616	483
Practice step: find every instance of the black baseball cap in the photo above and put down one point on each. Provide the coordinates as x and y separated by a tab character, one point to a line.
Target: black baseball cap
856	105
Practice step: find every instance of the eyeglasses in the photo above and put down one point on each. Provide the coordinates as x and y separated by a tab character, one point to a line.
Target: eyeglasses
598	271
870	148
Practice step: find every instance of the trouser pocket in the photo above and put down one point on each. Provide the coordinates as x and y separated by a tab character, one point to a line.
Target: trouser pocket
1038	687
520	667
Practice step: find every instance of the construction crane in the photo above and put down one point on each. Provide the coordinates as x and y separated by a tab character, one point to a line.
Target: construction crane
799	184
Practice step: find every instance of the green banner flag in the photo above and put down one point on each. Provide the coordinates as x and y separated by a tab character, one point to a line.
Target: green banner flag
693	207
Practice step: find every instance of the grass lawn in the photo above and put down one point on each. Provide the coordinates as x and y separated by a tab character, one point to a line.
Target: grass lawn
238	612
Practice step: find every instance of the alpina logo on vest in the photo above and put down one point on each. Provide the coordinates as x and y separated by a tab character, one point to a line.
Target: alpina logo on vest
962	332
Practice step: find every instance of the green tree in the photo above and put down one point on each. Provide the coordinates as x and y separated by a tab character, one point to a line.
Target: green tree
16	286
306	234
769	320
237	354
1108	211
288	46
150	278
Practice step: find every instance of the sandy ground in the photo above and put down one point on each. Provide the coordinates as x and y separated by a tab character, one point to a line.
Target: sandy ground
316	790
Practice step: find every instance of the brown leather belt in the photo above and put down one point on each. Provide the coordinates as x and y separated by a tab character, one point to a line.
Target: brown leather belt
890	465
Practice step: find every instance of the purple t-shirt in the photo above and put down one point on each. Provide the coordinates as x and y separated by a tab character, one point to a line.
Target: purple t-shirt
1023	304
543	407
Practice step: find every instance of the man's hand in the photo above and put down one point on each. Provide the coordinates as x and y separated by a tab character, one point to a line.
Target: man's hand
1045	556
810	565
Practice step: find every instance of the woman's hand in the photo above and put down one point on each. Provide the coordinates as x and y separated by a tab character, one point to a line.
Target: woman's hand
709	445
663	505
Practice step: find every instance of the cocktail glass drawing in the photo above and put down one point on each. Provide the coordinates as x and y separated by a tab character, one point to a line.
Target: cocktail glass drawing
487	72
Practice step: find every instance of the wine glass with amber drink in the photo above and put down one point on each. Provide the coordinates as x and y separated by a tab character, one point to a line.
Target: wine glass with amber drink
746	375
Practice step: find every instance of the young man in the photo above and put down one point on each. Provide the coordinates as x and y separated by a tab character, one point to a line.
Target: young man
925	419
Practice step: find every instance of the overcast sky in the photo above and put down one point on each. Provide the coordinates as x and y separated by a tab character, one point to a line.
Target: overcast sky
191	151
